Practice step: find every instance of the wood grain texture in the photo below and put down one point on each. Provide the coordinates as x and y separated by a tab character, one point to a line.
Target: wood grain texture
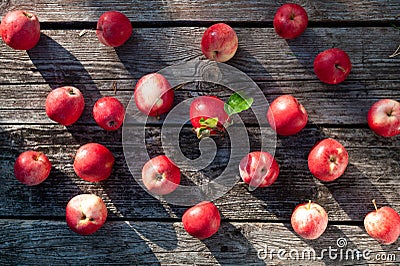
374	167
209	10
63	57
144	230
345	105
138	243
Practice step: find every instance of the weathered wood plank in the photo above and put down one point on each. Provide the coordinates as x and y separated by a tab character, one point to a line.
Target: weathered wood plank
63	57
210	10
346	105
138	243
374	167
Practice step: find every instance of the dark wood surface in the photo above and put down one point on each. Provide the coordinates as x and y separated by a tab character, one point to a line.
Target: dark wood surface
143	230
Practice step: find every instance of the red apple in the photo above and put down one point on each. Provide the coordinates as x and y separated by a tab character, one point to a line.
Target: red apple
93	162
328	160
384	117
219	42
20	30
259	169
113	29
202	220
108	112
85	214
160	175
332	66
286	115
65	105
32	168
383	224
208	116
153	95
309	220
290	21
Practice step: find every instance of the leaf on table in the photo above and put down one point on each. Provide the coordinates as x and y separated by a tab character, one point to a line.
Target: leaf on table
237	103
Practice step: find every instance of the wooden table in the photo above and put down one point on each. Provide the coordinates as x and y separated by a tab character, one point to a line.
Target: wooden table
141	229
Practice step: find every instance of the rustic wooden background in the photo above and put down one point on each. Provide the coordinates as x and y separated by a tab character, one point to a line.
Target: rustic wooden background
142	230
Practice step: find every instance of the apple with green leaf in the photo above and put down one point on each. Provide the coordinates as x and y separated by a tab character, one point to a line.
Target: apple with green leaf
210	116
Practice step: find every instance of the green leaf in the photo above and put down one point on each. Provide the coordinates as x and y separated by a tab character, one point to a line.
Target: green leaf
237	103
209	122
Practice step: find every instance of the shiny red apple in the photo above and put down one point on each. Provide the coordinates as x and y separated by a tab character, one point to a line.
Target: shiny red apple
20	30
93	162
219	42
85	214
113	28
208	116
286	115
290	21
383	224
309	220
109	113
384	117
65	105
332	66
259	169
153	95
160	175
202	220
32	168
328	160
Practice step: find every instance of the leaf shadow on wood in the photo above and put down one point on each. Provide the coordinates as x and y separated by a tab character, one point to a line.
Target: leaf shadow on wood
229	246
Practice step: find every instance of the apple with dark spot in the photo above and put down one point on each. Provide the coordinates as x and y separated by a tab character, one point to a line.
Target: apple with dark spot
113	28
65	105
309	220
332	66
108	112
384	117
85	214
160	175
202	220
290	21
93	162
328	160
32	168
153	95
219	42
286	115
20	30
259	169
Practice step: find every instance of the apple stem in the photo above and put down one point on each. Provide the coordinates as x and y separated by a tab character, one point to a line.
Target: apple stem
71	92
396	53
114	87
309	204
28	15
374	202
37	156
340	68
